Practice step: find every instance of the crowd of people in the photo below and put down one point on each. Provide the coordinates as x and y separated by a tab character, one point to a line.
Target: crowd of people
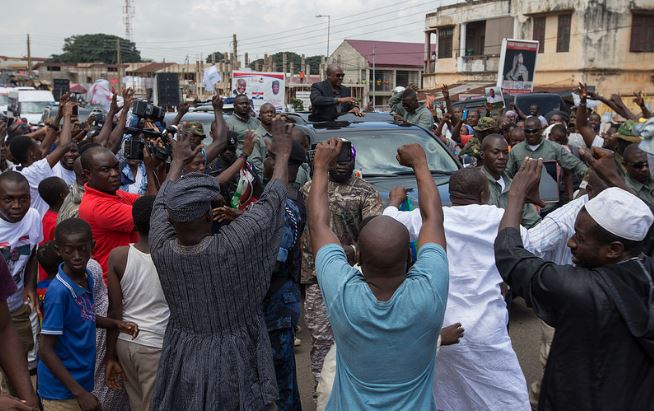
143	269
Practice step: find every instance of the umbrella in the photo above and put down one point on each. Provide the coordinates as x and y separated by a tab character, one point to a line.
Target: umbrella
77	88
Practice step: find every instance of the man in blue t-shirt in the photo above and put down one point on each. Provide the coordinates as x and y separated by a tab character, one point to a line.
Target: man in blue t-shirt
385	321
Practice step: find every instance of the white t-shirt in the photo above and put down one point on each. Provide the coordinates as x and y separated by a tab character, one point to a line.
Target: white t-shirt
17	242
67	175
37	172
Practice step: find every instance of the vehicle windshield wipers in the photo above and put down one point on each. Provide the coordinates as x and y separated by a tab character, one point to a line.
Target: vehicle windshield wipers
404	173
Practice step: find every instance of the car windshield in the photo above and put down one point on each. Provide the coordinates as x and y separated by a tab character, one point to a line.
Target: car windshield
33	106
376	151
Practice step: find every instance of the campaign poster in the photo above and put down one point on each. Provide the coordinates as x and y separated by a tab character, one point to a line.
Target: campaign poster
260	88
517	66
494	97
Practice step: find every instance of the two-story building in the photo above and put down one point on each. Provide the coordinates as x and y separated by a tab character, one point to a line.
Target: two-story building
608	44
375	68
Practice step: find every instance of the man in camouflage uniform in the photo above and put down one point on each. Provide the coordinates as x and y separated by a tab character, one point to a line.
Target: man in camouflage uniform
351	201
485	126
281	306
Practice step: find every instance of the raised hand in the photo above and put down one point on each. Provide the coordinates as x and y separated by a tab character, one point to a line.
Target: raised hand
583	92
184	107
248	142
68	109
411	155
397	196
128	98
282	142
64	99
638	99
445	90
327	152
224	213
526	181
114	104
182	148
217	103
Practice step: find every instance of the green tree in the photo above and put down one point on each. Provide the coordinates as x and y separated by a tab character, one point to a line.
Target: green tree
296	59
217	55
96	48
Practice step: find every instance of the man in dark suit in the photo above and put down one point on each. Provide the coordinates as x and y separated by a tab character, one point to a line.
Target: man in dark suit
329	99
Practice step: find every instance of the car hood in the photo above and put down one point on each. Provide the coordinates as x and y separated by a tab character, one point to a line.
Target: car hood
385	184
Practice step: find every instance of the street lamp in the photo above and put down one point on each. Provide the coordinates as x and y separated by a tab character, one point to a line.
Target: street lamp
329	20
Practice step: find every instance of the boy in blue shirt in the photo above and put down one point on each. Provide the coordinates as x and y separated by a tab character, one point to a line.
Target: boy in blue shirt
385	321
67	349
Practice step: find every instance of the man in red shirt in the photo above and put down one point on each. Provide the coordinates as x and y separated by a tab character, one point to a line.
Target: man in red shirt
107	209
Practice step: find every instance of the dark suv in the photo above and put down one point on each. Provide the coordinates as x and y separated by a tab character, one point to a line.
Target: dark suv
376	145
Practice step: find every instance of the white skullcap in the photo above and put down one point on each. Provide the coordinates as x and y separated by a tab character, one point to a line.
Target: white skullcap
621	213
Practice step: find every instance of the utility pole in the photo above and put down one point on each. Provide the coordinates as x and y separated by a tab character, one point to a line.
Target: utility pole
374	79
235	51
120	77
29	57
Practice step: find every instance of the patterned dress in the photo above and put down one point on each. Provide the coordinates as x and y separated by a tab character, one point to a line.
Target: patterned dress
109	399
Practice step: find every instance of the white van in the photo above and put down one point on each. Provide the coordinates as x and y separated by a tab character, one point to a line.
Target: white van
29	104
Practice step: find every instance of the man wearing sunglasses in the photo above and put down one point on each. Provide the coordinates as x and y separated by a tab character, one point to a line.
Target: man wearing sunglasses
638	178
535	146
330	99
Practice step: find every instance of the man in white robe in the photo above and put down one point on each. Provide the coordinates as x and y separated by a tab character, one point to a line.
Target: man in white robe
482	371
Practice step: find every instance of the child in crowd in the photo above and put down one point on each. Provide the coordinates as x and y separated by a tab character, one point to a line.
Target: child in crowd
49	260
68	343
135	295
53	190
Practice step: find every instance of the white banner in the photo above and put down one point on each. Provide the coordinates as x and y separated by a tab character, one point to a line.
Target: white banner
260	88
211	77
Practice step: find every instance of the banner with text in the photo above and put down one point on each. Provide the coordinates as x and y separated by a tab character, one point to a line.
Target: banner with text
260	88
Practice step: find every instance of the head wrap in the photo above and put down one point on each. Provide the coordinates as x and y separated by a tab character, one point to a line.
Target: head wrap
190	197
621	213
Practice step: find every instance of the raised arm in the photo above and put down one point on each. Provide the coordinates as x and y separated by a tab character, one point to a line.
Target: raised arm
446	96
429	201
230	172
103	136
181	110
640	102
64	138
582	118
318	203
219	142
116	135
117	263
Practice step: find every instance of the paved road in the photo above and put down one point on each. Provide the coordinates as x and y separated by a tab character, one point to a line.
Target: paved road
524	330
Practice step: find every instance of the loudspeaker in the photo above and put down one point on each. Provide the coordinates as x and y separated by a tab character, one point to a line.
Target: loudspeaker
167	89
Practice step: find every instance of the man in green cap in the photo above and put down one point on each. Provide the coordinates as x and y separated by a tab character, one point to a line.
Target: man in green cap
195	129
484	127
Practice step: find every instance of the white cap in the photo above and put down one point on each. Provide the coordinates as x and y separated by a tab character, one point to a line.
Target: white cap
621	213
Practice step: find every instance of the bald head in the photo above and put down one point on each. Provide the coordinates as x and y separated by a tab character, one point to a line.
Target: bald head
333	68
468	186
491	141
384	247
632	151
335	75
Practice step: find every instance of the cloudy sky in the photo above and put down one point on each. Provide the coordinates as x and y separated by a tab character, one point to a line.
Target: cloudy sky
173	29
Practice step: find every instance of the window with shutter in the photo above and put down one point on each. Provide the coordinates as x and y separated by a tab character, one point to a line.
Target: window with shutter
642	32
563	33
445	36
539	32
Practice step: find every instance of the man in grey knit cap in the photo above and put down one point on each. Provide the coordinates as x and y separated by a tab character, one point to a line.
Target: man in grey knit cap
216	352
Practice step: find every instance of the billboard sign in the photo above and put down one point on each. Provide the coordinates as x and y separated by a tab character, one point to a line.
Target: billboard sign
260	88
517	66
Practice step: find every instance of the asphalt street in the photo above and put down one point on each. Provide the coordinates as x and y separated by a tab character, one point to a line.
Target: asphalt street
524	330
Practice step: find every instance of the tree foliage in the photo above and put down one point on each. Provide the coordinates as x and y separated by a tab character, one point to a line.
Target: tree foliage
97	48
220	57
296	59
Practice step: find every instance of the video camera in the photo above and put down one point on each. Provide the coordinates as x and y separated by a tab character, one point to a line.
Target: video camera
145	109
144	138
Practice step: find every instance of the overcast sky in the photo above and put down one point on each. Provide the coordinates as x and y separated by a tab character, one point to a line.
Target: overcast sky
174	29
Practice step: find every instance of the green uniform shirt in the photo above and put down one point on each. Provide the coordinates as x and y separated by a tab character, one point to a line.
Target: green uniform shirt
548	151
240	126
500	198
644	191
421	117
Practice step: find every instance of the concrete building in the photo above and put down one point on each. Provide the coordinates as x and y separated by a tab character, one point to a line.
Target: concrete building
393	64
608	44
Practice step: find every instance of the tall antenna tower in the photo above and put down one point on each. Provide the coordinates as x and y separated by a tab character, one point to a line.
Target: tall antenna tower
128	14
